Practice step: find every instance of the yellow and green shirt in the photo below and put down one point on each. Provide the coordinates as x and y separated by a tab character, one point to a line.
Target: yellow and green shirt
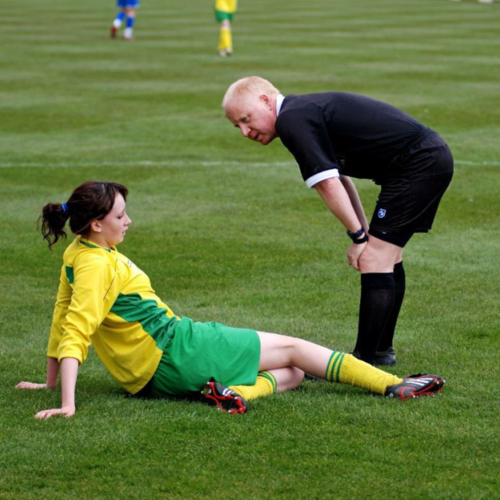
107	301
228	6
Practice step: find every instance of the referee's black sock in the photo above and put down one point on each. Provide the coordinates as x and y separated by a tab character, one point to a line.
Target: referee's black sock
377	302
386	340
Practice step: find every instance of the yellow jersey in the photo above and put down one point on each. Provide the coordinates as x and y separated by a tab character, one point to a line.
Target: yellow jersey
228	6
107	301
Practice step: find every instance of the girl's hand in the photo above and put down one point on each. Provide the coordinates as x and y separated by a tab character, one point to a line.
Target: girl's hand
32	386
66	411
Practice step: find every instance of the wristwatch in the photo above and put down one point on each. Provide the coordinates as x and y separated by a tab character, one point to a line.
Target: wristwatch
355	237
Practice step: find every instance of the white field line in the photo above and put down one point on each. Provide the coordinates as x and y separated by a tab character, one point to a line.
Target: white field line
181	163
146	163
476	163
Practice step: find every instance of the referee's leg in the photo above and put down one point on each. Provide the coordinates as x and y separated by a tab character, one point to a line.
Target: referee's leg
378	294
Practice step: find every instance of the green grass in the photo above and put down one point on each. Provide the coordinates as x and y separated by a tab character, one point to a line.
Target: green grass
228	232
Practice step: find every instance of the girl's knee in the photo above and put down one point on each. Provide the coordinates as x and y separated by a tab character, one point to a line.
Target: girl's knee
288	378
297	377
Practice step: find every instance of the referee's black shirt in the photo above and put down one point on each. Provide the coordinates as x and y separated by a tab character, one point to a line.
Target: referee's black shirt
355	134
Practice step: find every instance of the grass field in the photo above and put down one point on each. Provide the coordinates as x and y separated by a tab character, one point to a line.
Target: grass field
227	231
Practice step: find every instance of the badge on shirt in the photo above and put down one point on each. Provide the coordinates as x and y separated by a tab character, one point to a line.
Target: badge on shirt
381	213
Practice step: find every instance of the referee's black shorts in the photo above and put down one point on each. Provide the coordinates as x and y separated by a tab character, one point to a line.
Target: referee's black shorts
411	191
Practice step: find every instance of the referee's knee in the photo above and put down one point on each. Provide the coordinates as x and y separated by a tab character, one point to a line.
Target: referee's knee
376	260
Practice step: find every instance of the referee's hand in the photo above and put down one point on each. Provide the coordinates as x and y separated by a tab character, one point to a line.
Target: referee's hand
354	253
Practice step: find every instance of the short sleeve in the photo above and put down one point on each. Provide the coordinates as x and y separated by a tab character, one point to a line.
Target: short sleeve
304	133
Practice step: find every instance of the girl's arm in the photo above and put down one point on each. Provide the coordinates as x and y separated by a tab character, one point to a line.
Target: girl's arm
60	310
69	373
77	315
52	373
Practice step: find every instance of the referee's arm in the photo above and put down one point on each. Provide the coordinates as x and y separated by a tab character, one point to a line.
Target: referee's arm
337	199
352	192
339	202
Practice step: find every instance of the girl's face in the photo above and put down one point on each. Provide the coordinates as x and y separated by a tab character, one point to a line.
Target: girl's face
111	230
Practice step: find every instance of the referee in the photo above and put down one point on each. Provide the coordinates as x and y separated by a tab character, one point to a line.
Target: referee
337	135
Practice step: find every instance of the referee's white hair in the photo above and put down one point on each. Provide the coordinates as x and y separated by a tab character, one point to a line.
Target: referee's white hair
250	85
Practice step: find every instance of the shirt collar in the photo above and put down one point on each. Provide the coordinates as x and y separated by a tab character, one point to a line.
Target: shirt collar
279	101
89	244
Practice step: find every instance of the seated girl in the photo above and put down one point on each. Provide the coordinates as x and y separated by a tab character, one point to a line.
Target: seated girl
105	300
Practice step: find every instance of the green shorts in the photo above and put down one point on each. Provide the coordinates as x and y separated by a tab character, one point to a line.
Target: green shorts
198	352
223	16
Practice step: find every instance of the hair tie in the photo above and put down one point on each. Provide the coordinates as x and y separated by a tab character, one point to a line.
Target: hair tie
65	208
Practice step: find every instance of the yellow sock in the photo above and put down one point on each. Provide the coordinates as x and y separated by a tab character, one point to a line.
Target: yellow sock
225	39
265	385
347	369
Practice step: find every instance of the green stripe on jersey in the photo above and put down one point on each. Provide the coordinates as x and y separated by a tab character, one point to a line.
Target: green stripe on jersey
90	245
70	274
153	319
223	16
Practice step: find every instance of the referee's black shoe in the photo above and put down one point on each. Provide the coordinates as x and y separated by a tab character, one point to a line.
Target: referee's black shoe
224	398
386	358
415	386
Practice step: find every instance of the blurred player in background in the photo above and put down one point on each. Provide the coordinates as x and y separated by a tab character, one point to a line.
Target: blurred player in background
224	13
127	11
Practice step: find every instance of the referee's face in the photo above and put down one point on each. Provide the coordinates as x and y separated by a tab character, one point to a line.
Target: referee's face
255	117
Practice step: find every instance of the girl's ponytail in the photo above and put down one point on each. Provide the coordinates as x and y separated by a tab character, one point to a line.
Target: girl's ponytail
53	220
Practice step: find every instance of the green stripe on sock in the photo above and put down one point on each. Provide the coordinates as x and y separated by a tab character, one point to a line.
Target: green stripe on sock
330	367
334	366
337	375
271	378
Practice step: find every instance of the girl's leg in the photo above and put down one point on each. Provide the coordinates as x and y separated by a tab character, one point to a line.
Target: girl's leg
287	378
269	382
279	351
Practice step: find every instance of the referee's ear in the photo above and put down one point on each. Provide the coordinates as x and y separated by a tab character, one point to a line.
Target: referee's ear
266	100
